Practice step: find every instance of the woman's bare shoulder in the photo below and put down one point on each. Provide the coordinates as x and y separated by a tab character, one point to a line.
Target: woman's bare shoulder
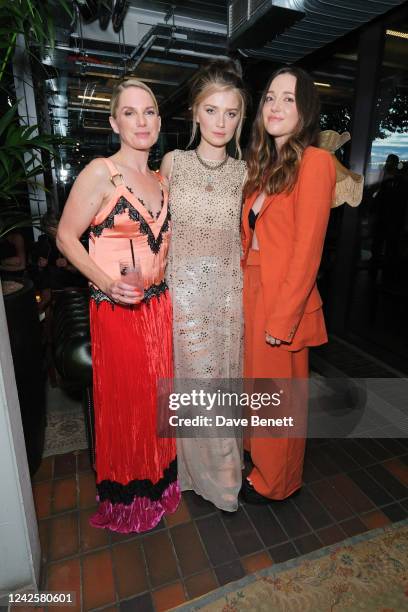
166	167
94	175
97	168
169	155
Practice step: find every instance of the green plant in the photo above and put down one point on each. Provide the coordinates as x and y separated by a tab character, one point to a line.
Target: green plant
20	165
31	18
21	146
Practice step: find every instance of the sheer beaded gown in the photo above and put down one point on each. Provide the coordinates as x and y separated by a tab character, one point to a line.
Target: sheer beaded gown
204	275
136	471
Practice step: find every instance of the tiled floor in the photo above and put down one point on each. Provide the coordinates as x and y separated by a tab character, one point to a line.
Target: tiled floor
351	486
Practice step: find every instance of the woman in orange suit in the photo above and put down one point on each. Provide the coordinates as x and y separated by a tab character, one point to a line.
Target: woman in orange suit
288	195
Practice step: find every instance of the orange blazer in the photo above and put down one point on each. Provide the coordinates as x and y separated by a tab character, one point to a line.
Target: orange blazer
291	229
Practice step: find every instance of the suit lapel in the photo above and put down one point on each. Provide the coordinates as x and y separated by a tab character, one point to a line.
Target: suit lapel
267	202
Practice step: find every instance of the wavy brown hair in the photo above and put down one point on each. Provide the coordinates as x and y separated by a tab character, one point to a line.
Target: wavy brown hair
276	171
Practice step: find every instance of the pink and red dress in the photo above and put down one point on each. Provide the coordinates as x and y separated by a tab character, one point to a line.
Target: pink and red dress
136	471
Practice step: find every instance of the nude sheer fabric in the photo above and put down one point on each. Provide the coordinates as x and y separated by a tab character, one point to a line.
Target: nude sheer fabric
204	276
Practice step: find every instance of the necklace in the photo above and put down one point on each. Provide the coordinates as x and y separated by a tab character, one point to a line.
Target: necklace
210	179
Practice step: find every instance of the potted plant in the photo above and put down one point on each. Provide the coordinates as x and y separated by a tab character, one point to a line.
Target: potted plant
21	145
20	165
21	162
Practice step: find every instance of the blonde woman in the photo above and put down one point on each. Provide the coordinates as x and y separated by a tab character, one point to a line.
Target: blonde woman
204	268
125	205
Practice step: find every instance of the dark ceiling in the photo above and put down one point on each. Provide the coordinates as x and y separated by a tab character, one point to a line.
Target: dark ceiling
164	44
213	10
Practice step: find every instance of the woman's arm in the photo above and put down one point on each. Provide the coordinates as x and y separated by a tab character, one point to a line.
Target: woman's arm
167	167
88	194
317	179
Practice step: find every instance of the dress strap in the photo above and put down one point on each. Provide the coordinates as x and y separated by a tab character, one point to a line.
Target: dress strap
114	171
160	178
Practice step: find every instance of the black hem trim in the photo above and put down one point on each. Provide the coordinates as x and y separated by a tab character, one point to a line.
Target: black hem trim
117	493
153	291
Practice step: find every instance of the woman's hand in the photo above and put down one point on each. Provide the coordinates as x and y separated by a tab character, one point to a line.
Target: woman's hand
272	341
42	262
122	293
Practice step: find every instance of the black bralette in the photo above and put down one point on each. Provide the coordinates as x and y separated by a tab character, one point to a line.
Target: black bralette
252	217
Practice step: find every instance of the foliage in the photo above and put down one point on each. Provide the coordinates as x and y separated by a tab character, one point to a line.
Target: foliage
20	164
393	111
21	146
391	116
31	18
336	118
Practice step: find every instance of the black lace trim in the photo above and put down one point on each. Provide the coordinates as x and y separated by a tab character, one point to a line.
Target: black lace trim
153	291
99	296
145	229
117	493
121	206
157	215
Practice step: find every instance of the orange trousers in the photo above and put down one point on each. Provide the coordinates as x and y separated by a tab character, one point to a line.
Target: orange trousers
278	462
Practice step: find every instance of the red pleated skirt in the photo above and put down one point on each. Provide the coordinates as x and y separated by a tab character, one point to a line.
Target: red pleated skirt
136	470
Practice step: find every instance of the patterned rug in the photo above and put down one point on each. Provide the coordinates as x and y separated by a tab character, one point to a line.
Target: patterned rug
65	431
367	572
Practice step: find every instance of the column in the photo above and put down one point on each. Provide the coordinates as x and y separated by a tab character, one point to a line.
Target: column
370	53
20	554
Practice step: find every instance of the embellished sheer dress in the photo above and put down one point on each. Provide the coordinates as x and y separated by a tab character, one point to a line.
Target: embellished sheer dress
204	275
131	349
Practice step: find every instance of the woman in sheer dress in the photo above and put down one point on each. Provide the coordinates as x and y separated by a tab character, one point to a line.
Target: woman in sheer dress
204	270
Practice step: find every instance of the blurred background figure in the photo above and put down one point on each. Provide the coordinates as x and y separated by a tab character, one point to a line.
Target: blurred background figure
383	208
49	268
12	256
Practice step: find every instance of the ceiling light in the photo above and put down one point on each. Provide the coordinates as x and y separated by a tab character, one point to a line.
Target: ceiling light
94	98
397	34
322	84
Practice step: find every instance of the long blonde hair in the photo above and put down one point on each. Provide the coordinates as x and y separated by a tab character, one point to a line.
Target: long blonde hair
276	171
218	75
121	86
